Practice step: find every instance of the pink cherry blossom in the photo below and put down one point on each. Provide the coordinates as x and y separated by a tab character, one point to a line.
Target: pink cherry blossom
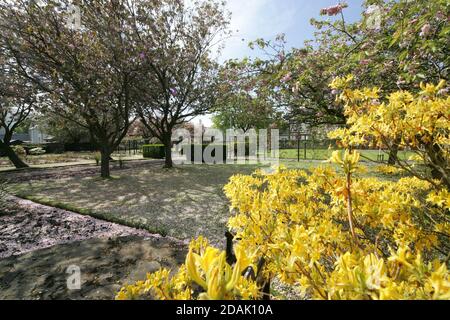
364	62
444	91
333	10
426	29
287	78
400	82
440	15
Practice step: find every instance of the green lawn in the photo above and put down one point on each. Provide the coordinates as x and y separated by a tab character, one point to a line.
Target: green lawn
184	202
323	154
48	160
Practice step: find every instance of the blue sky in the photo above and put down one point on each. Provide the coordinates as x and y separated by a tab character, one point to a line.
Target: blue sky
267	18
252	19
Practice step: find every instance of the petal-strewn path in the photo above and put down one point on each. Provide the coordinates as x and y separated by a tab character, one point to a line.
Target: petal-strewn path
38	243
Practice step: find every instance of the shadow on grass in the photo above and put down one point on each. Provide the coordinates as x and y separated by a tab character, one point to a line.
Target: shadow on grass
183	202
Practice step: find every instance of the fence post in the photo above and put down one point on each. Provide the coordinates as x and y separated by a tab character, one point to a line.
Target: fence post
304	149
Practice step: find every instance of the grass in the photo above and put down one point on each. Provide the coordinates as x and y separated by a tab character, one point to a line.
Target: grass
64	158
52	158
183	202
323	154
89	212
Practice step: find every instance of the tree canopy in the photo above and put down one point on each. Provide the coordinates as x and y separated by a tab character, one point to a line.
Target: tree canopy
179	75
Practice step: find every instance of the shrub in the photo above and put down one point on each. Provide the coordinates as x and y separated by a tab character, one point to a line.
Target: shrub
154	151
53	147
19	150
331	235
192	148
36	151
401	120
225	147
97	158
206	275
337	237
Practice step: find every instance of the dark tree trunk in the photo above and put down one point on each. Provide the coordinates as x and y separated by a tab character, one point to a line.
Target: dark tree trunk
168	163
439	171
105	158
393	153
12	156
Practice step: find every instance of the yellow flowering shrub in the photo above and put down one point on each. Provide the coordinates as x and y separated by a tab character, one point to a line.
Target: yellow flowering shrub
335	235
417	122
204	276
301	223
330	234
389	170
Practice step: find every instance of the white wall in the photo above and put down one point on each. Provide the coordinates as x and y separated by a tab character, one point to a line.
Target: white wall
36	136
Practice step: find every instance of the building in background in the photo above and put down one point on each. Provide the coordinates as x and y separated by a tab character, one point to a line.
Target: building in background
16	136
34	136
37	136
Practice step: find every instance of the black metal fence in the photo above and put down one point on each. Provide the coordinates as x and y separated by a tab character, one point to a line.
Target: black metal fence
311	149
130	147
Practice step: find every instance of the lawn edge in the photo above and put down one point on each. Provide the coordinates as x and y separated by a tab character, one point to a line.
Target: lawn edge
91	213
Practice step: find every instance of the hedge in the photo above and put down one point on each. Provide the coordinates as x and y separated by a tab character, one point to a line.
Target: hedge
191	148
48	147
154	151
82	146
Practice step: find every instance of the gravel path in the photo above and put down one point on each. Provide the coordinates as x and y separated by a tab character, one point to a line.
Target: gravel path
26	226
39	243
105	266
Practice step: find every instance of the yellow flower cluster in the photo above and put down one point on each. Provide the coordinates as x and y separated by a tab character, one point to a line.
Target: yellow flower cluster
331	235
418	122
402	276
204	276
349	161
419	119
208	269
160	285
389	170
440	198
300	223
